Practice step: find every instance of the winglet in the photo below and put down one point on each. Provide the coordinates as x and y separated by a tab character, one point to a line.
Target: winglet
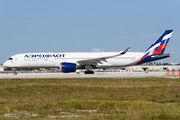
124	51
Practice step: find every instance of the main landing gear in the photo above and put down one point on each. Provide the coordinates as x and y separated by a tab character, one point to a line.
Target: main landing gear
88	72
89	69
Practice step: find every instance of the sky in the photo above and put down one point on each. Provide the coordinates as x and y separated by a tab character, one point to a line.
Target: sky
87	25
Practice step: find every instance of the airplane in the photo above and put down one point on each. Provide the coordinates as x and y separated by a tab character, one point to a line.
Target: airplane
70	62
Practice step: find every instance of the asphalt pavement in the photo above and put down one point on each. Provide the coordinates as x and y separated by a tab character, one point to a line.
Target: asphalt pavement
82	75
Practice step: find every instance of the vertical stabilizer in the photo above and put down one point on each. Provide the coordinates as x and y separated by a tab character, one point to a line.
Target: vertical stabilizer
157	48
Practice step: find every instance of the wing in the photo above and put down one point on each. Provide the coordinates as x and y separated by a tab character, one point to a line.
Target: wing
94	61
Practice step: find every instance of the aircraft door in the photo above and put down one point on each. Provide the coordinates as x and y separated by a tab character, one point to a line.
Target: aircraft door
51	61
20	59
15	60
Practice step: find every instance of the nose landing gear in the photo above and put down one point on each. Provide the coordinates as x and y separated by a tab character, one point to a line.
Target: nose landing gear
15	72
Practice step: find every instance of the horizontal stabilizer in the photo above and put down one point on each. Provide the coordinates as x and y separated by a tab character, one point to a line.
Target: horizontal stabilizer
162	56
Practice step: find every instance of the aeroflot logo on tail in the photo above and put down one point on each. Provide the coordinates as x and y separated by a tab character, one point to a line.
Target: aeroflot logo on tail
42	55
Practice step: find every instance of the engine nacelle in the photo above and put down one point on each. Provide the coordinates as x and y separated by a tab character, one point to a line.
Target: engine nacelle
67	67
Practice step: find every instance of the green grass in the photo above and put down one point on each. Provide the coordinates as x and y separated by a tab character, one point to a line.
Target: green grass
129	98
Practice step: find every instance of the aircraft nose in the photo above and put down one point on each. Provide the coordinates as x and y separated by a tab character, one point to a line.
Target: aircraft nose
5	64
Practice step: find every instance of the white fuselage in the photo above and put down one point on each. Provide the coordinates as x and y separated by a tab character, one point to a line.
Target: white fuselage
53	60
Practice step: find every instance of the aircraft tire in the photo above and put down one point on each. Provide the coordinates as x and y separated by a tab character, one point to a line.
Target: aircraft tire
88	72
15	73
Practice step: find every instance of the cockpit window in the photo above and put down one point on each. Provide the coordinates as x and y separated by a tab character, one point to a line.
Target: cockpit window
10	59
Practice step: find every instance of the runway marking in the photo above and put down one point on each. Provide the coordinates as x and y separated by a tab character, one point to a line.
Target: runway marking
68	77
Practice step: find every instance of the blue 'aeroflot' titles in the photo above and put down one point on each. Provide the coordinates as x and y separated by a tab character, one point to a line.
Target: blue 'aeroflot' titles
69	62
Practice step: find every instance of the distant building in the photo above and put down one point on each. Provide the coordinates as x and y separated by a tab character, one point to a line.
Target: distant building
140	68
173	63
1	68
155	67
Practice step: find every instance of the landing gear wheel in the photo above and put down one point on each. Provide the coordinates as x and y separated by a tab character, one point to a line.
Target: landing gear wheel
15	73
88	72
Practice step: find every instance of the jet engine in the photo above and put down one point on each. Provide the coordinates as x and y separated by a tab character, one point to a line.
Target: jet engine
67	67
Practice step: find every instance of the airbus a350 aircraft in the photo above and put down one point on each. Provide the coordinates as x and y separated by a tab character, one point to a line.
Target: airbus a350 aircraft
69	62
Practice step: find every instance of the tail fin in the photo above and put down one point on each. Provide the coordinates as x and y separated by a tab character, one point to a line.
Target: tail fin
157	48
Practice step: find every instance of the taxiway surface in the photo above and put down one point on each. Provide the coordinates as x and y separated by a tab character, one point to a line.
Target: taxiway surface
82	75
